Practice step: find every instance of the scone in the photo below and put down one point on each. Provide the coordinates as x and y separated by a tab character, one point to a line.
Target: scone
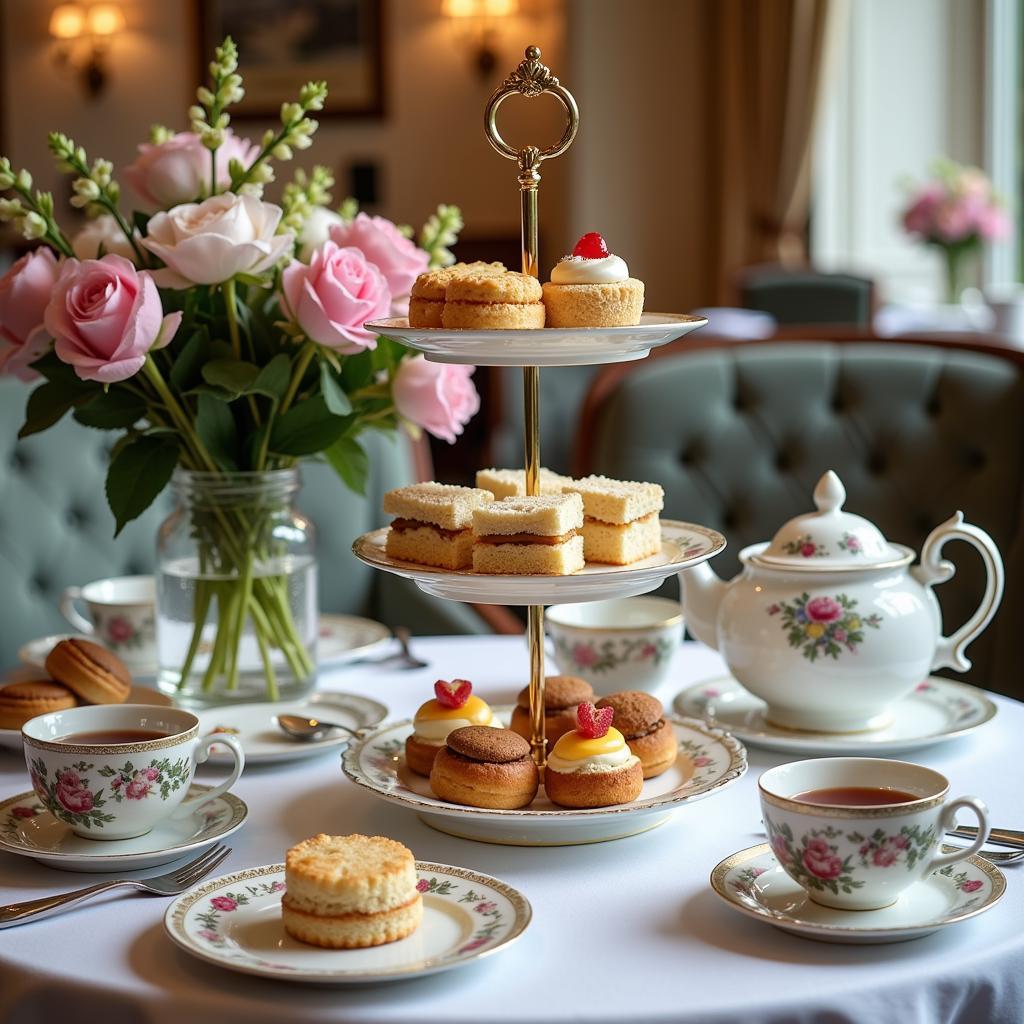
347	892
621	519
21	701
433	523
511	483
562	695
481	767
592	288
91	672
488	302
592	766
532	536
641	719
454	706
427	298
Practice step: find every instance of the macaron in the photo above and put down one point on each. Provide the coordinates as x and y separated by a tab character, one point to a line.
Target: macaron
562	695
641	720
90	671
24	700
484	767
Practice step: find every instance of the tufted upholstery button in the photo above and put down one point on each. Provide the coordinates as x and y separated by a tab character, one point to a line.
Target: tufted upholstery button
933	408
729	520
838	405
689	455
134	569
924	523
40	583
974	458
783	462
77	517
19	460
877	463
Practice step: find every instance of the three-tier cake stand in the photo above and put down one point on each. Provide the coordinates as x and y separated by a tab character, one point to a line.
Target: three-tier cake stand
683	544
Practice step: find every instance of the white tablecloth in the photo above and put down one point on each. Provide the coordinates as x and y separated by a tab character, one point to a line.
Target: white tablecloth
623	931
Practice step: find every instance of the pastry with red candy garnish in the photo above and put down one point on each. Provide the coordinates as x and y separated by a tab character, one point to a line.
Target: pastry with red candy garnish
592	766
453	707
592	288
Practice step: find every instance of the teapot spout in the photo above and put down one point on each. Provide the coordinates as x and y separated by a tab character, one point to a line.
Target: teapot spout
702	592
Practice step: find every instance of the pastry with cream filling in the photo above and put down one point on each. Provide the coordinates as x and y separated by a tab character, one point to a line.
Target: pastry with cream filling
620	523
482	767
454	706
532	536
562	695
433	523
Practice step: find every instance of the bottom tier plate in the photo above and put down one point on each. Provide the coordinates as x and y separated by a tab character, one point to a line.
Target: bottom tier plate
709	761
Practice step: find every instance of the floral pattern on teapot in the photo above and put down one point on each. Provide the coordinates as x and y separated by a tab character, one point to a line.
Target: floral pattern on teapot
823	626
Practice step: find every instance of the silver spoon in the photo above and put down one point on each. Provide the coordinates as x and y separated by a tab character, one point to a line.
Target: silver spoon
309	729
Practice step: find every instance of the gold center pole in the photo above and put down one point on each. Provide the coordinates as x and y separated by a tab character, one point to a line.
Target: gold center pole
531	78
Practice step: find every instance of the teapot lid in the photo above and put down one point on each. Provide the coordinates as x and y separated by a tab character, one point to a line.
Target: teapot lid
830	537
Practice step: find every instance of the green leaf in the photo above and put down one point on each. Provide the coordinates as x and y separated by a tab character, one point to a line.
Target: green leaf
307	428
350	462
234	375
357	371
51	400
112	410
273	378
189	361
336	399
140	221
216	429
137	474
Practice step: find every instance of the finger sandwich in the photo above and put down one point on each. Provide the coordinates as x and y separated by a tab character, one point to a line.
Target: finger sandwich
511	483
541	535
621	519
433	523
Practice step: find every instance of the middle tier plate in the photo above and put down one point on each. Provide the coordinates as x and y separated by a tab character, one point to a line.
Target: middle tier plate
682	545
541	346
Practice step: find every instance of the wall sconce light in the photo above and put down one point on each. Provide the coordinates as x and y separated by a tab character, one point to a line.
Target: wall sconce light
480	21
84	34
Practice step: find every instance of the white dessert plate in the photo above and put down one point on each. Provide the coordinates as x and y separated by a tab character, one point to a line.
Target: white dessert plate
938	710
709	761
11	738
682	545
344	637
235	922
35	651
753	883
29	830
263	740
542	346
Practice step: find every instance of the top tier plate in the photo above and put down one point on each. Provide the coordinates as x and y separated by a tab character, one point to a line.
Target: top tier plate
544	346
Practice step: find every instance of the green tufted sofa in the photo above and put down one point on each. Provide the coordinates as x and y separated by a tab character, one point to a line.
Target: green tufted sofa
739	434
56	530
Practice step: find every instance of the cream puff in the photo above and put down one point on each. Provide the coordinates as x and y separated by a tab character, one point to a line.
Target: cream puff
562	695
592	766
453	707
482	767
641	720
92	673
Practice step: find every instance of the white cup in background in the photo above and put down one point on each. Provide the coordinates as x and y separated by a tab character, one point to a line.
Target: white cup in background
1006	301
121	615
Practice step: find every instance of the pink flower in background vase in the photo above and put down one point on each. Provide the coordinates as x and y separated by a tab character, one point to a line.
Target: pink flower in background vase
439	397
24	293
332	297
225	903
104	233
178	170
821	861
824	609
316	229
212	241
918	217
398	258
105	316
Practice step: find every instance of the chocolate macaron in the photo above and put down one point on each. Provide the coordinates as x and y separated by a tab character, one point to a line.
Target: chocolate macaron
91	672
484	767
641	720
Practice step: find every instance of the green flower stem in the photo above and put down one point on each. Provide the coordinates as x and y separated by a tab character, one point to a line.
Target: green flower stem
217	654
240	598
176	413
140	254
53	232
213	171
262	629
231	308
200	610
301	365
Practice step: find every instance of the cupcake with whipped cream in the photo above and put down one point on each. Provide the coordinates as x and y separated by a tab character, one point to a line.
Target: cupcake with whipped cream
454	707
592	288
592	766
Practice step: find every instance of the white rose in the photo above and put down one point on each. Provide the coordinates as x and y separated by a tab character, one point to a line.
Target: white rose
102	231
212	241
316	230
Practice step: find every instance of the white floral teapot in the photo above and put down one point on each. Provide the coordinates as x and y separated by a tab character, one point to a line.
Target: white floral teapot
828	623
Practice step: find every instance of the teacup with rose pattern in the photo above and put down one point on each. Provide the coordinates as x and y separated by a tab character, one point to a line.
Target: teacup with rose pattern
861	857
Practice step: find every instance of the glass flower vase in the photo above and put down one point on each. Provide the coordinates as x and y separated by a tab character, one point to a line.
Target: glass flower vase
237	615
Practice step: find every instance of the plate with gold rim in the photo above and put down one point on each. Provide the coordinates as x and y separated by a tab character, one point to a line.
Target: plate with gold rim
753	883
683	545
541	346
235	922
709	761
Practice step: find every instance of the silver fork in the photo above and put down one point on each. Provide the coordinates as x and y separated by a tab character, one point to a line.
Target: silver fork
169	884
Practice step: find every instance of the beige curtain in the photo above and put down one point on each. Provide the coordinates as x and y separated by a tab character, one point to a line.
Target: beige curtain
768	59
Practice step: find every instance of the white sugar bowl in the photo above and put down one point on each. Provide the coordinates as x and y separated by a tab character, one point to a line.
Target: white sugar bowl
829	623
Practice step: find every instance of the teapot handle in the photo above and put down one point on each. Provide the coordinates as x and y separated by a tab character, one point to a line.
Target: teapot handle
949	652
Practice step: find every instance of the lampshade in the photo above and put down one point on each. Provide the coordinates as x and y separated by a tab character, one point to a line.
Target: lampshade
67	21
105	19
479	8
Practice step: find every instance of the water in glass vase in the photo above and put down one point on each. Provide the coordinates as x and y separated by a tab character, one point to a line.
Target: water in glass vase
269	653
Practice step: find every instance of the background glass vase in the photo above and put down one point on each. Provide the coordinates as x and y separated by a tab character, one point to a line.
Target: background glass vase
237	612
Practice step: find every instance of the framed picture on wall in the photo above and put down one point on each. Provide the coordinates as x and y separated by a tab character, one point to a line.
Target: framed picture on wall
283	44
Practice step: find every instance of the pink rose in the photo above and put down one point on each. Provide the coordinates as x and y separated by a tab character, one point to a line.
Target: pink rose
212	241
225	903
918	217
992	223
439	397
332	297
648	651
76	800
277	887
119	629
137	789
900	842
24	292
210	936
178	171
485	907
955	218
149	774
839	636
808	550
779	849
701	762
398	258
23	812
972	886
824	609
117	783
820	861
757	872
104	233
422	885
885	856
584	655
69	777
105	316
474	944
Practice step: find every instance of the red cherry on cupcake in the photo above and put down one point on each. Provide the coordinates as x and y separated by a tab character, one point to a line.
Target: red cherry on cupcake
453	694
591	722
591	247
